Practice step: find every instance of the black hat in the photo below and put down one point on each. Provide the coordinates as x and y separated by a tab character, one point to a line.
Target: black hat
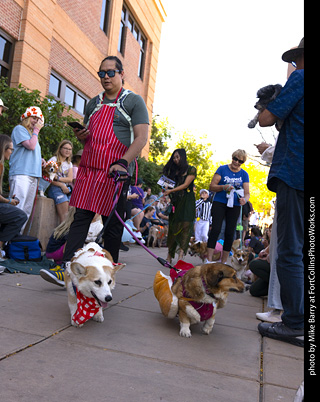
291	55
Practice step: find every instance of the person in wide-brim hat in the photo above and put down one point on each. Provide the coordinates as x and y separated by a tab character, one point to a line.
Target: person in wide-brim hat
291	55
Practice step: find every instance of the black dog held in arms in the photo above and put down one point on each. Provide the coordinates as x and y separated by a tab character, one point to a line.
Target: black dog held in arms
265	95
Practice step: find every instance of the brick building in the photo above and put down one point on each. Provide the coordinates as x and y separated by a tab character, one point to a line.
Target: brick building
56	46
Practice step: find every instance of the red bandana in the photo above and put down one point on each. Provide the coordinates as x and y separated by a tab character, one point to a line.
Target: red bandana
87	307
46	178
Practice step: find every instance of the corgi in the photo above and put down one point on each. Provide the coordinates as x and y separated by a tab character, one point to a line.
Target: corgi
157	233
196	294
239	258
90	279
49	172
200	249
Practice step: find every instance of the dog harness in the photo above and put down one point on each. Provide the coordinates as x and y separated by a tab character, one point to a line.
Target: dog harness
204	309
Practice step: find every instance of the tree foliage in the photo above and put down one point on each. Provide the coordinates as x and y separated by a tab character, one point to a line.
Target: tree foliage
150	172
160	135
56	115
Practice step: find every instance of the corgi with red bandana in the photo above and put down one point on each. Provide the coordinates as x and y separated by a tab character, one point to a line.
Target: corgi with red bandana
90	279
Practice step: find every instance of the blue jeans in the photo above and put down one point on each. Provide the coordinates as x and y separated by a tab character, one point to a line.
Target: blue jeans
290	267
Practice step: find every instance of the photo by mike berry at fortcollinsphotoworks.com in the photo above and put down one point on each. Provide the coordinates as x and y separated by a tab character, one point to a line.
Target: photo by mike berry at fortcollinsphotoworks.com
310	300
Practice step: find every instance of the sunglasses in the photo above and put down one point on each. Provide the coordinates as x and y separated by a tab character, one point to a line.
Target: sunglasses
238	160
110	73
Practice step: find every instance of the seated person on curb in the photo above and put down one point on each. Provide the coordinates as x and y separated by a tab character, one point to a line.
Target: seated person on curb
146	221
57	243
158	217
255	245
137	203
11	218
261	268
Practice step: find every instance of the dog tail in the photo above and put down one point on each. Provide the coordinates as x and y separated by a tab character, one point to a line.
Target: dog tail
168	302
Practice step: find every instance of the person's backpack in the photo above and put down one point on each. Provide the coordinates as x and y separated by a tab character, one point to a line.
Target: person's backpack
24	248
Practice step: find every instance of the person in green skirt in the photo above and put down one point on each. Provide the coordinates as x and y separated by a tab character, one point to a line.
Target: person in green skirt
183	212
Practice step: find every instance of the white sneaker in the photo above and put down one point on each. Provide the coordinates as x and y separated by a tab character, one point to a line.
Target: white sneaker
270	316
208	262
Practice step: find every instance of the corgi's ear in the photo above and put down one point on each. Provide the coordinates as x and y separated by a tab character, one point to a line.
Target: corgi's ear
58	163
214	276
117	267
233	249
78	269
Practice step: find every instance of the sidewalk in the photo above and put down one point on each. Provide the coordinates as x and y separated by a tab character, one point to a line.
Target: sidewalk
136	354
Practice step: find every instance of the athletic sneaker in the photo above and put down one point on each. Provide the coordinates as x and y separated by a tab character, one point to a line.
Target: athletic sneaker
270	316
281	332
54	275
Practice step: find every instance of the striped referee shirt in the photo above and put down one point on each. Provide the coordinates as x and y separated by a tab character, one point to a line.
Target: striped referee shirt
203	209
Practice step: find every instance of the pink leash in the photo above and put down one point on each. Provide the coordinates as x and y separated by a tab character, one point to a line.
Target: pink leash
117	178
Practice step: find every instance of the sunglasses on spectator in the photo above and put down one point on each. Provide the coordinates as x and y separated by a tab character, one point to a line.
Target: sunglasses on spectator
110	73
238	160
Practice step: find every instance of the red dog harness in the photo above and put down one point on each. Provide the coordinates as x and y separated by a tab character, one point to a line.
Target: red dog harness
204	309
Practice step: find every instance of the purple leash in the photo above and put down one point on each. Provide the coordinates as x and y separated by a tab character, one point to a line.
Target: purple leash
117	177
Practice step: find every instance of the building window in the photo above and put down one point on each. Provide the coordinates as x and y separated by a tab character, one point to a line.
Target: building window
128	21
61	90
142	43
6	52
121	33
105	16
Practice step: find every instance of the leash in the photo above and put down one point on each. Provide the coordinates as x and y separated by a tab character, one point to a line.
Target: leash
119	176
240	225
148	205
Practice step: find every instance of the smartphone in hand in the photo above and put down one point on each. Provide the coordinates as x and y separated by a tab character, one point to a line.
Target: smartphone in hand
75	124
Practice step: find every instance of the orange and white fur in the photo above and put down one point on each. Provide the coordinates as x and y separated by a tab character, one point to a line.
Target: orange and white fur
157	233
207	284
239	259
49	172
92	272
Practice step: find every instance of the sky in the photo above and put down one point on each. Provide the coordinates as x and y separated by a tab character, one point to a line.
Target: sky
214	56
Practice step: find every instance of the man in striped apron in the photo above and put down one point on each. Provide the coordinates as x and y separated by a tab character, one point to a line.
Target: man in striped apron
116	131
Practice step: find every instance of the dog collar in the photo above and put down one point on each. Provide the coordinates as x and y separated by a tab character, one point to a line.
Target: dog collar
46	179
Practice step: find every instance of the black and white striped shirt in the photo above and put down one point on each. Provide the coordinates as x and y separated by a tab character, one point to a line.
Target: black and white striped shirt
203	209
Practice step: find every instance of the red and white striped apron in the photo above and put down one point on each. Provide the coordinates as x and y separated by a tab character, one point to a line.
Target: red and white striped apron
93	189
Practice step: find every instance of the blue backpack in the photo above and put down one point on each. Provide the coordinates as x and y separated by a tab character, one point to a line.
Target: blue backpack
24	248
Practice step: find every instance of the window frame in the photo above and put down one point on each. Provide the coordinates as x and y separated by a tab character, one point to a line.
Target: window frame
63	85
105	16
4	64
127	20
